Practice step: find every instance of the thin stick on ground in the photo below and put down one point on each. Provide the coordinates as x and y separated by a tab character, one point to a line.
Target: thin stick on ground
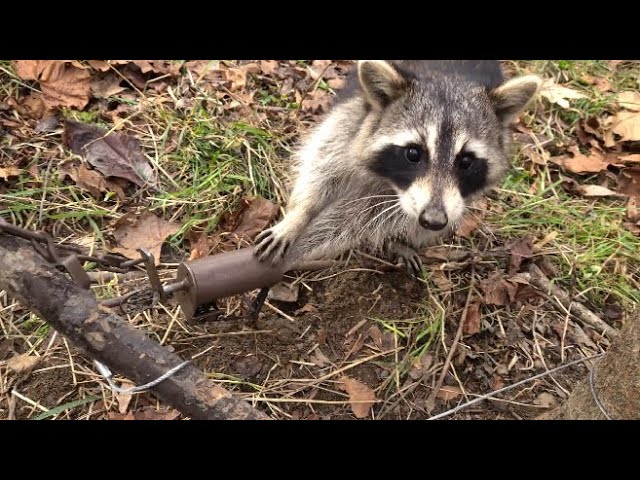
539	280
430	403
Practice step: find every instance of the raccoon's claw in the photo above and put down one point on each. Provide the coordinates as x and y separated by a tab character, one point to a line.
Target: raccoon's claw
269	246
408	256
413	264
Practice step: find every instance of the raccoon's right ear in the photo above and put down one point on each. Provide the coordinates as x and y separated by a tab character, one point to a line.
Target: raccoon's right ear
381	81
510	98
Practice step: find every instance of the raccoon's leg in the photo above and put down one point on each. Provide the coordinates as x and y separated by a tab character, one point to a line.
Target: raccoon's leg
397	250
304	205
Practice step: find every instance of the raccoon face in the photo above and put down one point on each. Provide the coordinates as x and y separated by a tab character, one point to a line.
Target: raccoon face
438	141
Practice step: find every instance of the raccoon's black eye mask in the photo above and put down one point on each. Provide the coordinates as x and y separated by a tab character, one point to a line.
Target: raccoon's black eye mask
471	172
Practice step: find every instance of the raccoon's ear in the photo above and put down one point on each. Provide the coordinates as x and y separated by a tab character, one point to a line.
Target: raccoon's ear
510	98
381	81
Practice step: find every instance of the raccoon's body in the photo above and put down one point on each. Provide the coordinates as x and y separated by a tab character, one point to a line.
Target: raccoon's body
394	164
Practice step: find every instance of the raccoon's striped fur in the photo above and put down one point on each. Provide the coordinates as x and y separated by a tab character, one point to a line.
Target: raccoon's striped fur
394	164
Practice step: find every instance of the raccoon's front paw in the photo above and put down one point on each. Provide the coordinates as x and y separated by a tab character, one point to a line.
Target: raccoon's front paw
409	257
271	245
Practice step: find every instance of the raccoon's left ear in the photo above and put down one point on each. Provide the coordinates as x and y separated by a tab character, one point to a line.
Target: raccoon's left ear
510	98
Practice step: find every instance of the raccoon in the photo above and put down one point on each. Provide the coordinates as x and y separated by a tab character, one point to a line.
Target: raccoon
395	163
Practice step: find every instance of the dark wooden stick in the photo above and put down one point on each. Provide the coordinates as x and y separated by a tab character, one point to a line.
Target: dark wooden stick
105	337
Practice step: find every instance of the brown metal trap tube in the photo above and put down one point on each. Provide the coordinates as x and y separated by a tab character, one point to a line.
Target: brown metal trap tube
223	275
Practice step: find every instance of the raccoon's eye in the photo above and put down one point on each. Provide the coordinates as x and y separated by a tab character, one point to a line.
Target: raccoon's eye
465	161
412	154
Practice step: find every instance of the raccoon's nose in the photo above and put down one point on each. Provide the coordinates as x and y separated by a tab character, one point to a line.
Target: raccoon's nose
433	218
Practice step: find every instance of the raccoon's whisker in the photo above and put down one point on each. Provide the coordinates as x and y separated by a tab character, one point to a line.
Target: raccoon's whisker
391	216
377	216
379	204
369	197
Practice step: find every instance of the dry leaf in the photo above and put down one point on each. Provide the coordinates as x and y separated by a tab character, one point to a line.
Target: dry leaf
580	163
558	94
63	84
376	335
442	281
629	100
124	399
256	214
361	397
92	181
107	86
629	182
201	246
468	225
99	65
472	322
449	392
120	416
497	290
114	155
144	231
269	67
283	292
627	125
519	250
33	106
23	364
9	171
545	400
595	191
150	413
602	84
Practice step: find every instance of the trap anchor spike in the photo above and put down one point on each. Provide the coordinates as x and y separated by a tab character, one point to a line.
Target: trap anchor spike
201	282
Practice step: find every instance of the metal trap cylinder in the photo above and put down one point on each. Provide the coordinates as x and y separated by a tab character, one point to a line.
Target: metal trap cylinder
207	279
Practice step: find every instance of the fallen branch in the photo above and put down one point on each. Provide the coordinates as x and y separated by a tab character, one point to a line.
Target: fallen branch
105	337
562	300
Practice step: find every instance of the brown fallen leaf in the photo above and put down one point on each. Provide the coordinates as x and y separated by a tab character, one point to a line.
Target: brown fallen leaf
124	399
442	281
449	392
580	163
593	191
63	83
146	231
518	251
629	182
558	94
545	400
316	102
283	292
160	67
376	335
23	364
468	225
91	180
120	416
361	396
602	84
497	290
629	100
472	322
150	413
248	367
33	106
269	67
107	86
256	213
627	125
9	171
201	246
114	155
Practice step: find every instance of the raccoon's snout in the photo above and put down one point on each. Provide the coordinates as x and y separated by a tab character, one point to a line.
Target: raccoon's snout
433	218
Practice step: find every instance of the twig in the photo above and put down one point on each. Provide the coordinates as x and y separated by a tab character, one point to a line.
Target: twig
517	384
563	301
430	403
